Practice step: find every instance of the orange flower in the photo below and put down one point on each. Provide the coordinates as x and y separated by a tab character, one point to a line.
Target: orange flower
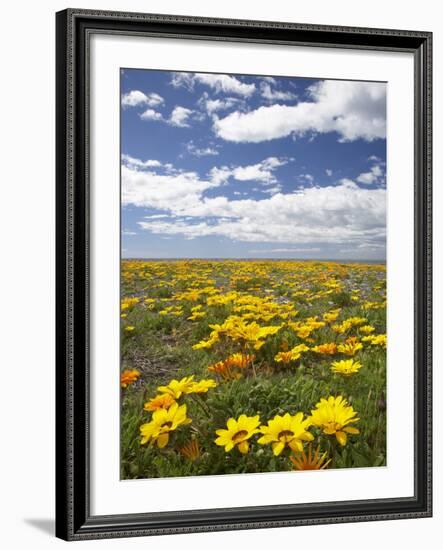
128	377
326	349
305	461
240	360
225	371
227	368
191	450
163	401
284	357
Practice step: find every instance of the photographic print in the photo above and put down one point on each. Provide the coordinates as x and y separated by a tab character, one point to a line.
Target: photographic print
253	274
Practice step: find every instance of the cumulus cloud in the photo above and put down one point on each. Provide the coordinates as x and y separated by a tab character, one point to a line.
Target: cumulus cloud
271	94
151	114
344	213
135	98
210	105
355	110
151	189
262	171
137	163
272	190
218	82
179	117
376	175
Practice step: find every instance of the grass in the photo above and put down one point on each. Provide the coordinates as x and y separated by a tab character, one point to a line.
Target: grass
159	297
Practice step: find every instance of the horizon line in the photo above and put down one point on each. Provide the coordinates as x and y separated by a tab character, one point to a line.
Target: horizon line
239	258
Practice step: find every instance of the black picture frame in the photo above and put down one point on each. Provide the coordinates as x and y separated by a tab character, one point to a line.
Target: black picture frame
74	28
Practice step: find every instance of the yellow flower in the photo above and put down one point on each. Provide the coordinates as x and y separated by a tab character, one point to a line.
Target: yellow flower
291	355
202	386
196	315
129	303
298	350
283	357
331	316
348	324
366	329
128	377
238	433
176	388
191	450
163	401
163	422
286	430
326	349
346	367
129	328
333	415
376	340
308	461
207	344
349	348
237	329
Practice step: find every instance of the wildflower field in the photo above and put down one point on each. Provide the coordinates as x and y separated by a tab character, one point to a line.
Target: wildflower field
251	366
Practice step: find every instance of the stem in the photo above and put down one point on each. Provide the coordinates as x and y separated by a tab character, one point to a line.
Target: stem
333	443
202	405
252	360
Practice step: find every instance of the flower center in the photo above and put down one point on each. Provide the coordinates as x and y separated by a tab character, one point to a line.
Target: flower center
239	435
167	424
285	435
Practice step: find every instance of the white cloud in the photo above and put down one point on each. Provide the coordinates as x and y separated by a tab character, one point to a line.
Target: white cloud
271	94
136	97
151	114
375	175
328	172
272	190
211	106
153	190
345	214
128	233
352	109
218	82
200	151
305	179
262	171
137	163
179	117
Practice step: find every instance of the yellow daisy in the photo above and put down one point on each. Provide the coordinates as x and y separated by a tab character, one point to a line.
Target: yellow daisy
238	433
286	430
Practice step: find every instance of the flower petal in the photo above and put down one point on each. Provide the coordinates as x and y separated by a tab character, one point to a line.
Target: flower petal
277	448
351	430
243	447
162	440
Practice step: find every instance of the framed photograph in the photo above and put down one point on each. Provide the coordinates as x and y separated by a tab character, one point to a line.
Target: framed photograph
243	274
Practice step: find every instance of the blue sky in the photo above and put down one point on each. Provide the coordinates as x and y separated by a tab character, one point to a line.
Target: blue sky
238	166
